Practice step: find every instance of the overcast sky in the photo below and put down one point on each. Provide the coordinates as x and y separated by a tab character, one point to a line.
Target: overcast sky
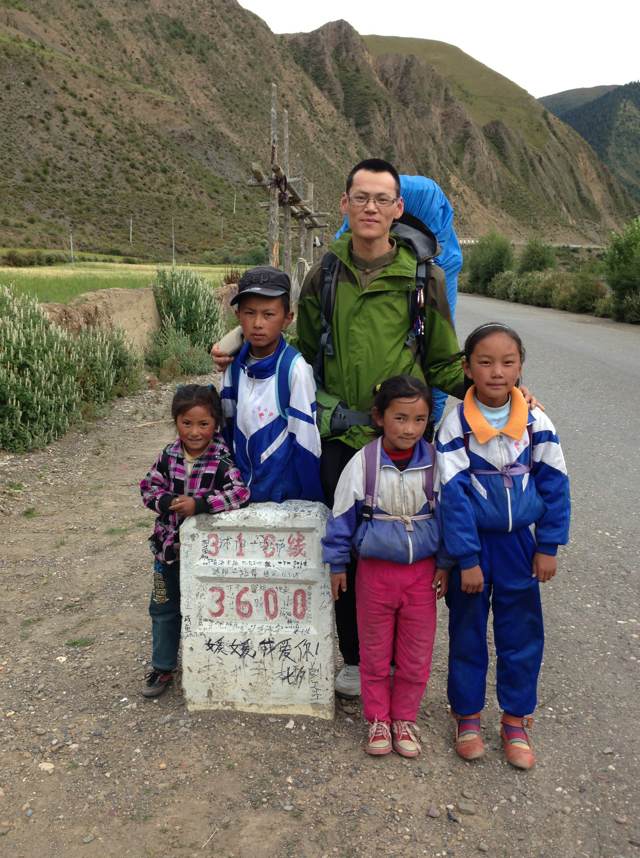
545	46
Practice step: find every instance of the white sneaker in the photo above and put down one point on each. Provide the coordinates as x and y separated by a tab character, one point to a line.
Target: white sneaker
348	681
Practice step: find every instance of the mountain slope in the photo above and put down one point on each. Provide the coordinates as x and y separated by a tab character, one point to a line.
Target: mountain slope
154	111
506	161
611	124
561	102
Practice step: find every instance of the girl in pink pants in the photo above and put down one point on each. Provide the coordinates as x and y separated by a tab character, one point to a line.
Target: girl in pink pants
385	511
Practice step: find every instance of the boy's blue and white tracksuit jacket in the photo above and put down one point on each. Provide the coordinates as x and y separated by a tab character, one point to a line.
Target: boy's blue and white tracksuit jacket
505	496
270	410
400	495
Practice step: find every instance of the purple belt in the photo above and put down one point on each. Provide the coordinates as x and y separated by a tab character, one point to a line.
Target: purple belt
507	472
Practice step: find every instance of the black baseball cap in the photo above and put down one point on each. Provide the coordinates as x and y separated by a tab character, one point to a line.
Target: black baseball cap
264	280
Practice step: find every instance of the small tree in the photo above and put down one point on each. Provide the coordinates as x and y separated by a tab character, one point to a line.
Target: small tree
490	256
622	266
536	256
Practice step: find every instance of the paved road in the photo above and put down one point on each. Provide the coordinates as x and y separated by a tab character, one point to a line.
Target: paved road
586	371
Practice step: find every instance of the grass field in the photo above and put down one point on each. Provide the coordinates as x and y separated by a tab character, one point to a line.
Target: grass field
62	283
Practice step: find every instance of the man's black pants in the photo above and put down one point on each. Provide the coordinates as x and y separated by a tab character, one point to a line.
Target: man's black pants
335	456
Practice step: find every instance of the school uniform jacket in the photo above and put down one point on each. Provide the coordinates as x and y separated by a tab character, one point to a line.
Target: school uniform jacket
278	453
400	493
499	501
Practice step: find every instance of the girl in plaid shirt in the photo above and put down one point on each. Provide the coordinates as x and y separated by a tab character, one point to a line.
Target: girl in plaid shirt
194	474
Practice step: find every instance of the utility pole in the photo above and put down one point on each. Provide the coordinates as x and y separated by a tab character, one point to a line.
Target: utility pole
131	230
173	243
71	246
274	249
286	223
234	201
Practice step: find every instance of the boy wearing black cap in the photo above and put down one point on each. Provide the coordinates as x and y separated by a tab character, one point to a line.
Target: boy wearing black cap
269	396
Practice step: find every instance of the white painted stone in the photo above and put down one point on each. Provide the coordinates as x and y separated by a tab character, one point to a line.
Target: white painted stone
257	613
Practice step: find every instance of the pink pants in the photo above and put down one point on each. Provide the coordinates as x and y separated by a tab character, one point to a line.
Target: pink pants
396	608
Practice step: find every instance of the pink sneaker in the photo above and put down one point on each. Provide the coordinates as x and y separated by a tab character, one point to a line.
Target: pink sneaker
405	739
379	739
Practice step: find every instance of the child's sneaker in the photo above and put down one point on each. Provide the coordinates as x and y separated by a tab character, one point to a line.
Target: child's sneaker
156	682
348	682
405	739
469	744
379	739
515	741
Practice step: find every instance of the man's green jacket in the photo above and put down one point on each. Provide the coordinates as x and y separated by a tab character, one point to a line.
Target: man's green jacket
370	328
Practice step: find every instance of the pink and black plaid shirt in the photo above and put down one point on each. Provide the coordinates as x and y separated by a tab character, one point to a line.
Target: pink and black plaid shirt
215	484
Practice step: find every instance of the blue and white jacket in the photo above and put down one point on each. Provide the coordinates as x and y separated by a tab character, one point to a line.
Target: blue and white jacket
400	493
270	411
536	493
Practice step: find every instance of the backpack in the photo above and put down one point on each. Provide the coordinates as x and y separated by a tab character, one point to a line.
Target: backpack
284	365
371	453
508	471
424	245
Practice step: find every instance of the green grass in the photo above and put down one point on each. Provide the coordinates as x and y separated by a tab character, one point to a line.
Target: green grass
30	512
62	283
78	643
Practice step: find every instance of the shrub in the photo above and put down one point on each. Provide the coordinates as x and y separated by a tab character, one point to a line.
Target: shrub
536	256
187	303
502	286
604	307
490	256
47	374
39	397
622	266
127	365
631	309
172	354
587	290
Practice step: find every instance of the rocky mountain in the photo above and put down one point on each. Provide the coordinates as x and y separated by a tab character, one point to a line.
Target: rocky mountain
611	124
154	111
561	102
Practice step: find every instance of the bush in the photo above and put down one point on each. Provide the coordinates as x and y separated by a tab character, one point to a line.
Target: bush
490	256
127	365
39	397
622	266
631	309
172	354
536	256
604	307
47	374
187	303
588	289
502	286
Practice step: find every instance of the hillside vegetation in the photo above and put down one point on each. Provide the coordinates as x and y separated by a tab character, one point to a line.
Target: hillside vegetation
611	124
561	102
155	112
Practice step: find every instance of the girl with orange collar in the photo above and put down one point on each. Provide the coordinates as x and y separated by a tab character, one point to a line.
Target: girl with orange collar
503	473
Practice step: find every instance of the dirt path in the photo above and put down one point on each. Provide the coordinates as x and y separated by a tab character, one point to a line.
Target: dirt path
87	767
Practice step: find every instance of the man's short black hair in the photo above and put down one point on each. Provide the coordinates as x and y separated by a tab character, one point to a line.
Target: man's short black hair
374	165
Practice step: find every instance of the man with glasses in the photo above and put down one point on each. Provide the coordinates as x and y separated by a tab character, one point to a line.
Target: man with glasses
368	339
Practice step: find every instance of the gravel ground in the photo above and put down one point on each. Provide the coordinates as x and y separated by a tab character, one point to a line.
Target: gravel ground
88	767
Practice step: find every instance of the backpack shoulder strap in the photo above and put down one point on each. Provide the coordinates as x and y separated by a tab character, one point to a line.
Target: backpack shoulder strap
235	378
371	462
427	476
329	269
284	366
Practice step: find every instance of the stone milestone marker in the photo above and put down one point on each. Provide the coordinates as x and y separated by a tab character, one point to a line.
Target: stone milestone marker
257	617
